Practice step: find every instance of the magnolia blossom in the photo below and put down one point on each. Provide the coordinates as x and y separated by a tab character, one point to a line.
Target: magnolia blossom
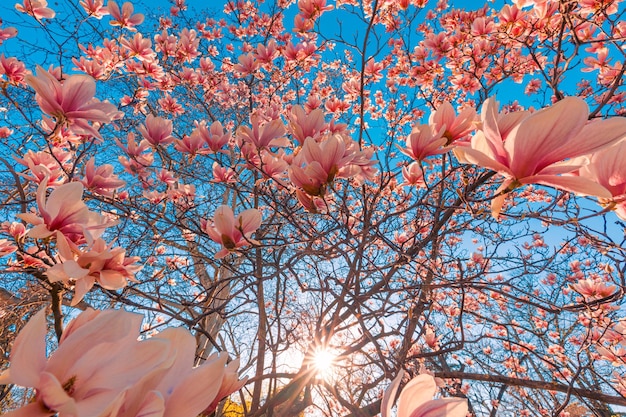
416	400
608	168
232	233
317	164
100	262
72	101
413	174
231	383
101	369
63	212
267	135
593	289
6	247
7	33
537	148
36	8
124	18
303	125
157	130
213	135
425	141
94	8
454	127
101	180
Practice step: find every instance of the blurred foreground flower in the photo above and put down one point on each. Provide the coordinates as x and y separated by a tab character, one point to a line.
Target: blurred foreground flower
416	399
101	369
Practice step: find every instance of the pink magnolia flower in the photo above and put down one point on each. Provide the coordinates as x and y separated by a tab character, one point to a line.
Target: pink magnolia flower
124	18
416	400
44	166
425	141
101	369
101	263
5	132
101	180
232	233
214	135
13	69
176	389
269	134
83	376
223	174
157	130
63	212
312	204
36	8
72	102
191	144
413	174
303	125
593	289
273	165
454	127
6	248
312	178
322	162
310	9
7	33
607	167
94	8
538	148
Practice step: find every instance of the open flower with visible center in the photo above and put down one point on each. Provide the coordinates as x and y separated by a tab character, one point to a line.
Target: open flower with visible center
65	212
232	233
101	369
71	102
538	148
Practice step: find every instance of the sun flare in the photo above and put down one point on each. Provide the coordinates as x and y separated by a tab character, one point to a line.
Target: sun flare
324	362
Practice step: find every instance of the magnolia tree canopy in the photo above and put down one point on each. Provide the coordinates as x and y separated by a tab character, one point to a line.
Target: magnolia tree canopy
312	208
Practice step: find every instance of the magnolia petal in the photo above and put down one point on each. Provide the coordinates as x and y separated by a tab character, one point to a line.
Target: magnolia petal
468	155
28	356
565	167
249	220
81	288
492	138
112	280
40	232
221	253
333	149
224	220
47	88
445	407
418	391
77	91
66	199
596	135
198	390
183	346
153	405
52	394
544	137
91	328
390	395
578	185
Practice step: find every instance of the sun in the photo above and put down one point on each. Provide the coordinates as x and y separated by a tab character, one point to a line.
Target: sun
324	362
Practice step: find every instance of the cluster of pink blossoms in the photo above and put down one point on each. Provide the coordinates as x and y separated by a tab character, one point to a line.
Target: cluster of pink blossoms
549	147
100	368
83	257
